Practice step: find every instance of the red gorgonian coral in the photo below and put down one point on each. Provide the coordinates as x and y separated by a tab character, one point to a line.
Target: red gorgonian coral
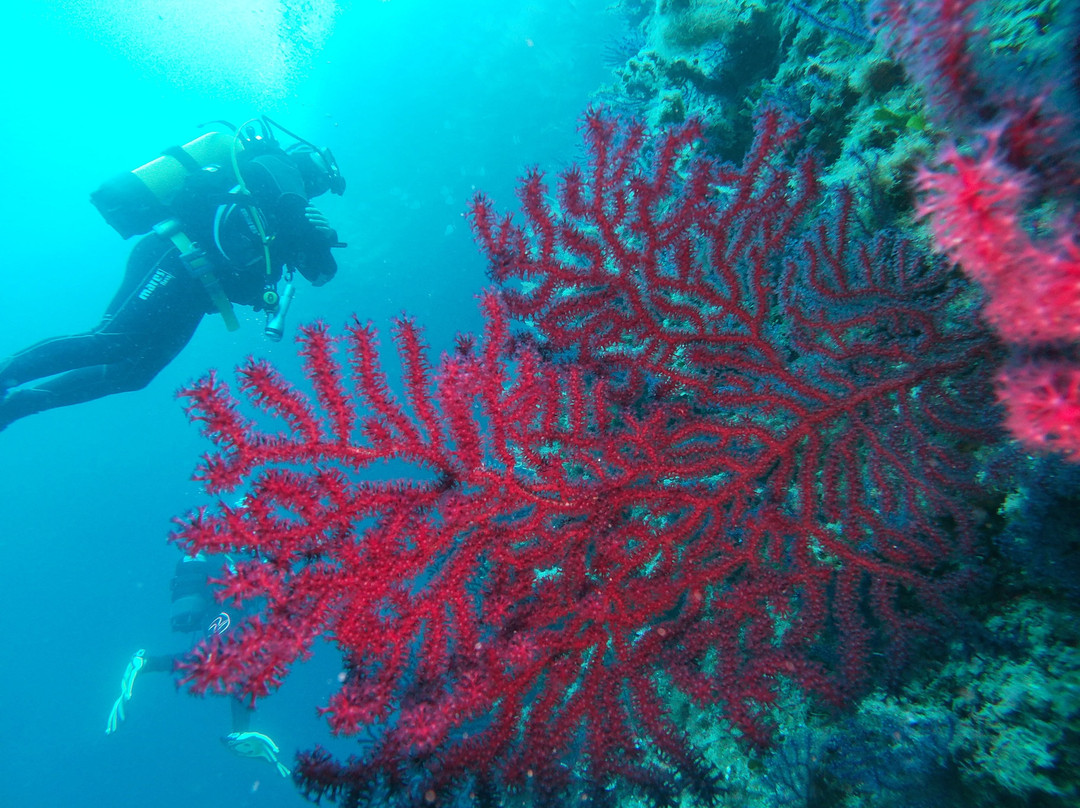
725	449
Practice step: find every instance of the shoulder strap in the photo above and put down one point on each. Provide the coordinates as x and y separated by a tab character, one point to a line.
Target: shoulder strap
198	263
182	157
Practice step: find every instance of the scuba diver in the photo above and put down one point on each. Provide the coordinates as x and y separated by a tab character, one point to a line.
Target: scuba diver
227	217
195	611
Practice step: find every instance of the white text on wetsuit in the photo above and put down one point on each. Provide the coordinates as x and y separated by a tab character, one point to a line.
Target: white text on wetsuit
160	278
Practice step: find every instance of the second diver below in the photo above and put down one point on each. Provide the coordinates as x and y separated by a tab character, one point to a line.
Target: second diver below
229	231
195	611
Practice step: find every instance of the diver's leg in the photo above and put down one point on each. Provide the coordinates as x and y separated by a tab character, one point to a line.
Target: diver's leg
161	663
87	384
241	713
152	283
138	338
60	354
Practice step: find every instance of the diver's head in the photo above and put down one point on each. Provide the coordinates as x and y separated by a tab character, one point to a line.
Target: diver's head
318	168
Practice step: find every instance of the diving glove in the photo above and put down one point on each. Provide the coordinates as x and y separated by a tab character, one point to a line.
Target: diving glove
256	745
116	714
317	219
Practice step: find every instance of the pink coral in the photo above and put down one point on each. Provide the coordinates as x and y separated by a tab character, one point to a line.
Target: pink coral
979	194
974	206
1043	400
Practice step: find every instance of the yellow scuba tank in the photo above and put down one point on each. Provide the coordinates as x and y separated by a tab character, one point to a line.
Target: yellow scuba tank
133	202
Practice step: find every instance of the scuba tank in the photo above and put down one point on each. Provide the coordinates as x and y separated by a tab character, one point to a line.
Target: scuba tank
133	202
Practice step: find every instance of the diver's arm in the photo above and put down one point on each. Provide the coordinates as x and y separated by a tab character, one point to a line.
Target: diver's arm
318	264
310	238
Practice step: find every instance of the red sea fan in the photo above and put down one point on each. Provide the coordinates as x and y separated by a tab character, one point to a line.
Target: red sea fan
935	39
727	450
827	379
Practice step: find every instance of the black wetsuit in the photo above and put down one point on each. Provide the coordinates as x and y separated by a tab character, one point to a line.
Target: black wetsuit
159	303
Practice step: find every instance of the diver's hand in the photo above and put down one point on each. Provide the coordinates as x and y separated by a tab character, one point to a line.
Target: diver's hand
256	745
318	220
116	714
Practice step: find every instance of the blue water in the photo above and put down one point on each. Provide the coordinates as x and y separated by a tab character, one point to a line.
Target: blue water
422	102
